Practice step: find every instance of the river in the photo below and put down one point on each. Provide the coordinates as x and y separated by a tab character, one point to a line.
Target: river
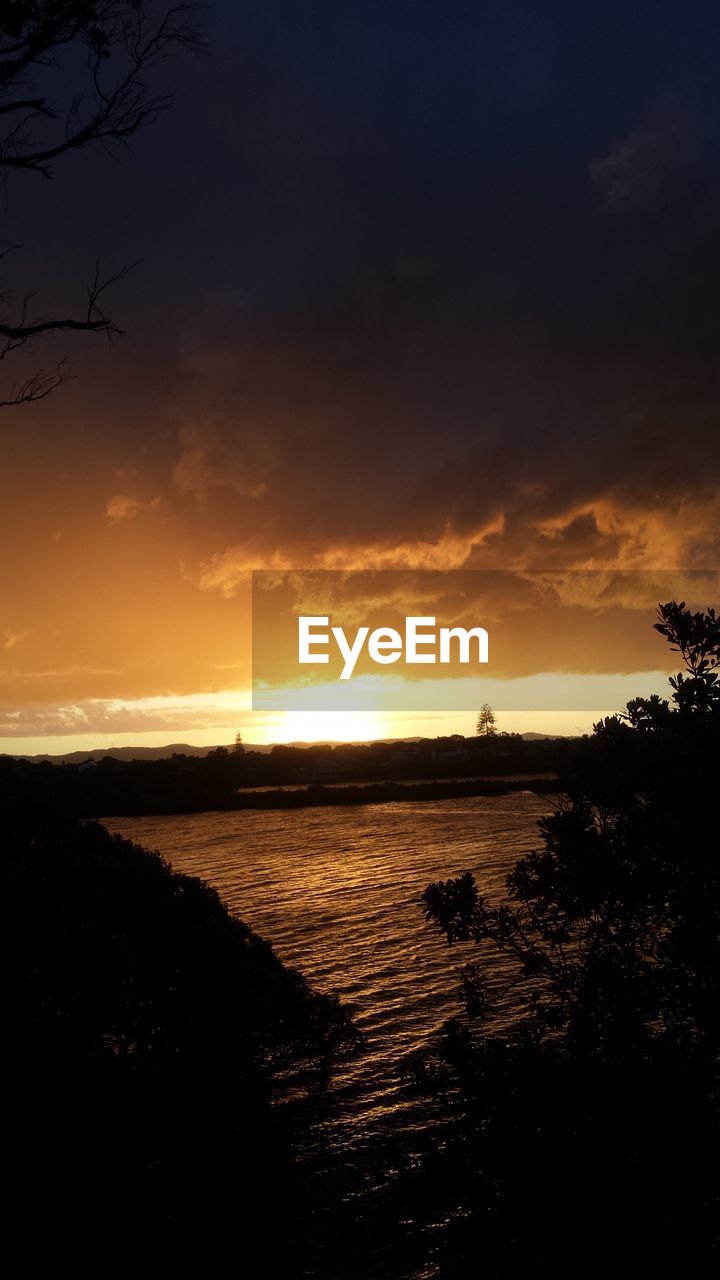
336	891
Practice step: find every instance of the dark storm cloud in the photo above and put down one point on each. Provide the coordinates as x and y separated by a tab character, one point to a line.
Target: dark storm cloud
472	278
425	284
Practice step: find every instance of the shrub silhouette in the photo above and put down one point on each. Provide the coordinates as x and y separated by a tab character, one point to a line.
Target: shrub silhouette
585	1137
146	1030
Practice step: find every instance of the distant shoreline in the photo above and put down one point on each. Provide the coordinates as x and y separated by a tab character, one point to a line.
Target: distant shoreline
318	795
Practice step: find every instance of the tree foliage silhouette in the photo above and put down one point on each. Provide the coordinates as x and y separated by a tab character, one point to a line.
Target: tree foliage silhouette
485	726
583	1130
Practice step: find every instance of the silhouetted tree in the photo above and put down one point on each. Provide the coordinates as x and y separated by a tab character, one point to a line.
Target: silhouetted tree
107	51
485	726
588	1129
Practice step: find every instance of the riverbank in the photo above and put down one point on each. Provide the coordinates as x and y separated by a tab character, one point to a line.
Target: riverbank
319	795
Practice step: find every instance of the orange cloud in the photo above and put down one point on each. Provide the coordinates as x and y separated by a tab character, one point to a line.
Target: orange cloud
122	507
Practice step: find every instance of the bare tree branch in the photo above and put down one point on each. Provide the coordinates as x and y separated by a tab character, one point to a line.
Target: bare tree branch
126	39
93	321
124	42
37	387
27	104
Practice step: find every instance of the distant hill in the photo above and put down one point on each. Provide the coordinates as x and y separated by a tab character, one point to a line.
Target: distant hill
185	749
171	749
123	753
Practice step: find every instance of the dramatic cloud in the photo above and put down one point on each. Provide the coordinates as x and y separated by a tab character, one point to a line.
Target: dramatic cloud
423	289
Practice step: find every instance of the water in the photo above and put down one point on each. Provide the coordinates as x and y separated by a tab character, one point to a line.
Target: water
336	891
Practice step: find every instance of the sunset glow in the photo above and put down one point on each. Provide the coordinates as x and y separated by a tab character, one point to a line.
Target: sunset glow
375	406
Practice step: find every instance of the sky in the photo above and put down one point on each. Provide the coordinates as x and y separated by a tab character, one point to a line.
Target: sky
423	285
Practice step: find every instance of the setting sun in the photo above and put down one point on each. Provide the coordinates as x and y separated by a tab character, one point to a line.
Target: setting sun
328	726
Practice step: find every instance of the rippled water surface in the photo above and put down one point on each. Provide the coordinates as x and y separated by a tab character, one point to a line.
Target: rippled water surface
336	891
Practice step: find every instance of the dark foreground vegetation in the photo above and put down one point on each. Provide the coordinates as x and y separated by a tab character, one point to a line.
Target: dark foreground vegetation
228	778
163	1065
586	1140
147	1033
